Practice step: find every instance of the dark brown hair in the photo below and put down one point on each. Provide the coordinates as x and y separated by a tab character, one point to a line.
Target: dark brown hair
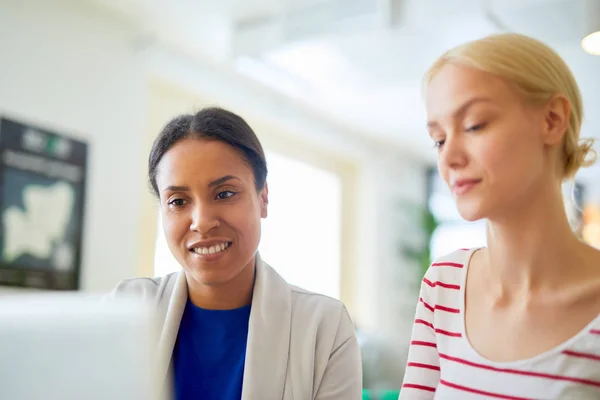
213	124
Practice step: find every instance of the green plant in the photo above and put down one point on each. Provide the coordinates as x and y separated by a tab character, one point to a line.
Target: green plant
422	219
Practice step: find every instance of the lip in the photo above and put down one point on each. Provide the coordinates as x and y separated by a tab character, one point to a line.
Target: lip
462	186
208	243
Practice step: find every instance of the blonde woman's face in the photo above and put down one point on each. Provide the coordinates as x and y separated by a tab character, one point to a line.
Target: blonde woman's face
490	146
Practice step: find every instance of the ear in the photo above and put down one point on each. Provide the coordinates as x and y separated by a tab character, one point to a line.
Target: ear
264	201
556	119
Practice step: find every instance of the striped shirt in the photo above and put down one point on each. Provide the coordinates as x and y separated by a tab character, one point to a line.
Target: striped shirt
443	365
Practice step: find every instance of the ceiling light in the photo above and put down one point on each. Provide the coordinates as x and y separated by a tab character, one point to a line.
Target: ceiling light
591	42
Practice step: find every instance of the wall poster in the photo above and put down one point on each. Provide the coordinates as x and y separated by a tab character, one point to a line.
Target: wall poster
42	196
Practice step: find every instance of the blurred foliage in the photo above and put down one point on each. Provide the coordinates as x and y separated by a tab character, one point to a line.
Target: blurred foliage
422	219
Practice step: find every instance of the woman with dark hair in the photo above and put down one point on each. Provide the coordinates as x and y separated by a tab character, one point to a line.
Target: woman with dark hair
232	327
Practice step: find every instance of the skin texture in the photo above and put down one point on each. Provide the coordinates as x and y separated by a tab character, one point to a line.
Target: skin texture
535	285
208	195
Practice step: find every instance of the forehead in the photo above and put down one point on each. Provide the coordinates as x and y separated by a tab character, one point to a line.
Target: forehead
455	85
201	161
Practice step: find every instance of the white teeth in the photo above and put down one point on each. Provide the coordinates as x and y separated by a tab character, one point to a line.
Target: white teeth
214	249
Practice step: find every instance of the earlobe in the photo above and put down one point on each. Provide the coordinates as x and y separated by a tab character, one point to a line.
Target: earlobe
556	120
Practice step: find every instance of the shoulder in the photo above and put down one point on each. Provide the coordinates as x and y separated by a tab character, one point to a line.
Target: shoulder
304	303
302	298
310	312
142	288
447	272
319	310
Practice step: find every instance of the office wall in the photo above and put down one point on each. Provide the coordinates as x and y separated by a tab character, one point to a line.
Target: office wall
68	68
73	69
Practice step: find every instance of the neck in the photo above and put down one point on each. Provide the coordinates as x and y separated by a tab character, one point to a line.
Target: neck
230	295
530	247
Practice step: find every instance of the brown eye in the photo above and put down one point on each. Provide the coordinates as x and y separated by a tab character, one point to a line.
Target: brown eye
225	194
177	202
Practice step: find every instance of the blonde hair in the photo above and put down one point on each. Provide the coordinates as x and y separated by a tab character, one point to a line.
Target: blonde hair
539	72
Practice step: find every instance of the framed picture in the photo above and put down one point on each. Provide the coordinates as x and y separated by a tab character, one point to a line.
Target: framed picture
42	197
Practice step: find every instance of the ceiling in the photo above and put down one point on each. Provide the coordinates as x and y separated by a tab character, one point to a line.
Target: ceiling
359	62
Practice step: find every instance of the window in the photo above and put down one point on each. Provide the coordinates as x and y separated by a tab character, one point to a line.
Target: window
453	232
164	262
449	237
302	233
301	236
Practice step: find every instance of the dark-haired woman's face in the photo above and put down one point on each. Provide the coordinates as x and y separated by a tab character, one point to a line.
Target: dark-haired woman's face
211	210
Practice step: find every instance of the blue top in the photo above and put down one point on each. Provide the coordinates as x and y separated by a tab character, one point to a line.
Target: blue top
210	352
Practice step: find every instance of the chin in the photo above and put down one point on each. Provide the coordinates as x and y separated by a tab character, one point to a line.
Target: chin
213	274
212	277
471	212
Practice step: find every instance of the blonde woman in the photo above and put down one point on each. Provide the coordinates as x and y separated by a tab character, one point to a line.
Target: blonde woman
518	319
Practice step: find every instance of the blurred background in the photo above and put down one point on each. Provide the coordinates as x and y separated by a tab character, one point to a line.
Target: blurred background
332	88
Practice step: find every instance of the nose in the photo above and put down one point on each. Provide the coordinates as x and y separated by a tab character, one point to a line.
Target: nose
204	219
452	154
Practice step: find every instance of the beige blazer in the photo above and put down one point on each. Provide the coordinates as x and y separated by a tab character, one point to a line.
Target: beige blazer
301	345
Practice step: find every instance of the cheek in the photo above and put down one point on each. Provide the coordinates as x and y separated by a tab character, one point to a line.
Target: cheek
174	226
245	220
495	156
511	160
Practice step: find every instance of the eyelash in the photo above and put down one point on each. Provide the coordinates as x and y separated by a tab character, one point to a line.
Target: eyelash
181	202
473	128
172	202
231	194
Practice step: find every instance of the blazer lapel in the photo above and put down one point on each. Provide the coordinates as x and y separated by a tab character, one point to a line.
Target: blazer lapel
177	300
268	336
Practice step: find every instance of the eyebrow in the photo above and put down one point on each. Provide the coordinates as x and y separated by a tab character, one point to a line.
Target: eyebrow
223	179
176	189
216	182
462	108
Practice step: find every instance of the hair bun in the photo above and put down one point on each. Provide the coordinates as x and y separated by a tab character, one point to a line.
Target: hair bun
583	156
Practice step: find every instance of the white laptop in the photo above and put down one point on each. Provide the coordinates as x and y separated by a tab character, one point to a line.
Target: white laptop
57	346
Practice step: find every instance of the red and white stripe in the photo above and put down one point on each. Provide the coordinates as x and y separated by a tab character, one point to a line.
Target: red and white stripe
442	365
